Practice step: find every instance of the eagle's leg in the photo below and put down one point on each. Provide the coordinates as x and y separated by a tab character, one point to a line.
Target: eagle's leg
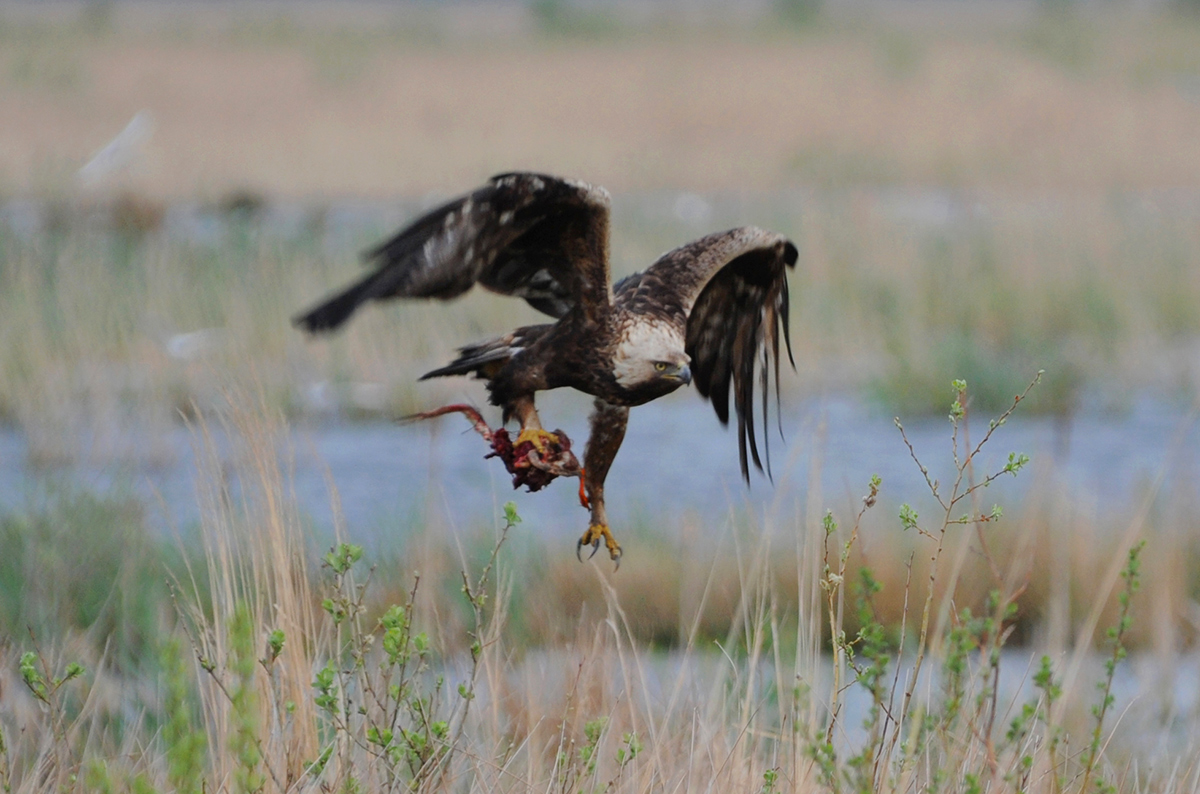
524	411
608	430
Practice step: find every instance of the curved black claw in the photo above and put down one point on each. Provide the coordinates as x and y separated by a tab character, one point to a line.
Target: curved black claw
595	533
595	544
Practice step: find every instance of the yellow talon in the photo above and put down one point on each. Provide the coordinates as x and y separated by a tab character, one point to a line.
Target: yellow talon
541	439
592	538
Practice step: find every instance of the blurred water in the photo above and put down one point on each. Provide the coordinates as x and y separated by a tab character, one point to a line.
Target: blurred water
676	460
1156	696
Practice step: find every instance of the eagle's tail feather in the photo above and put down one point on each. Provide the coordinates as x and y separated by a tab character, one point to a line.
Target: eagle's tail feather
482	359
466	365
485	359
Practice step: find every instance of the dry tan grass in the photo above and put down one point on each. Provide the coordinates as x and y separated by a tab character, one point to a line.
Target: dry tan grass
1035	117
1025	107
717	718
406	104
1101	295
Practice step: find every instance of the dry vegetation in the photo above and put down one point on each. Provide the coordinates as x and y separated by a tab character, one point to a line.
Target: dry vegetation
404	101
975	194
107	332
271	668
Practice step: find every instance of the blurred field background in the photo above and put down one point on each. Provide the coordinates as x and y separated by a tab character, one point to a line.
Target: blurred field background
978	191
312	100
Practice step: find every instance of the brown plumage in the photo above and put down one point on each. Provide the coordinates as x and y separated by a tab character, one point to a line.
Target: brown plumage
713	310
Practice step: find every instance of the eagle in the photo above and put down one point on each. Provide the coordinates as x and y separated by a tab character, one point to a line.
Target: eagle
709	313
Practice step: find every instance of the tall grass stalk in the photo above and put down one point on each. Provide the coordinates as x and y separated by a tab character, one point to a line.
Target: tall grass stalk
307	677
111	334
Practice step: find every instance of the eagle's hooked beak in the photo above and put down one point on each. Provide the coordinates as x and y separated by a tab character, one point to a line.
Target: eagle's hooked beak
684	374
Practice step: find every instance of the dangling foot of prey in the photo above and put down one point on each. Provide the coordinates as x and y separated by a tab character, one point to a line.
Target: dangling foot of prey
592	538
534	460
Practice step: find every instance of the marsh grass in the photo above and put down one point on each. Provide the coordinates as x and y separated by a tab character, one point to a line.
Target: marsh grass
111	334
283	668
860	649
74	562
1025	97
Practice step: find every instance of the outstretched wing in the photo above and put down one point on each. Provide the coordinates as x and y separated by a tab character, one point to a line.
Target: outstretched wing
532	236
728	293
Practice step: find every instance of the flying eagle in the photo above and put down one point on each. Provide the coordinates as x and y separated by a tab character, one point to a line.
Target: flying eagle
709	312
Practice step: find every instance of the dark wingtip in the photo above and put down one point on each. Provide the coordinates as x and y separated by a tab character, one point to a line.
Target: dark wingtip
332	313
313	322
322	319
791	254
785	317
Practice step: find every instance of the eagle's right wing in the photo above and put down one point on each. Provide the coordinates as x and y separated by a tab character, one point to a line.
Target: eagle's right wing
727	294
532	236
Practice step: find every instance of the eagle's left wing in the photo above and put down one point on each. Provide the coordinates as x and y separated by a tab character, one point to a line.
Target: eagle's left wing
532	236
728	292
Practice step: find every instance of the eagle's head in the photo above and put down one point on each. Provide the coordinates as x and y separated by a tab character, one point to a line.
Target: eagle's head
649	357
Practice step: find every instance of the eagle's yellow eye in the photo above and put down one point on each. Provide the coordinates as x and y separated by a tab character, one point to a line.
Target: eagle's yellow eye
660	366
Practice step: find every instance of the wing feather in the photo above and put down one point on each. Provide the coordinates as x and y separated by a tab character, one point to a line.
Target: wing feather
728	293
531	236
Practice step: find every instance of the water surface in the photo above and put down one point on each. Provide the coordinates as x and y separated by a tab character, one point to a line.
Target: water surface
676	460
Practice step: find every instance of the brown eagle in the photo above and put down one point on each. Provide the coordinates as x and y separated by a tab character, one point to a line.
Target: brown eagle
709	312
